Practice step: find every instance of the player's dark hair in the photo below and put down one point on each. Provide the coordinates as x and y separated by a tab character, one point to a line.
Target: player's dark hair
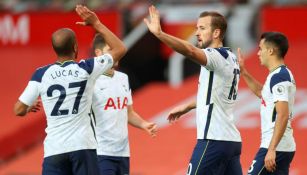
98	42
218	21
278	40
63	42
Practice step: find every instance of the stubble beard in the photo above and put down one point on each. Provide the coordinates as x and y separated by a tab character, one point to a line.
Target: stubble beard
206	44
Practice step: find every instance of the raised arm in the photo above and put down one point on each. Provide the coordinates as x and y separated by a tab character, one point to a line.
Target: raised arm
117	47
179	45
251	82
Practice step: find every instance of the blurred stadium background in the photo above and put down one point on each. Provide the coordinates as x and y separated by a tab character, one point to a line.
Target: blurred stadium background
160	79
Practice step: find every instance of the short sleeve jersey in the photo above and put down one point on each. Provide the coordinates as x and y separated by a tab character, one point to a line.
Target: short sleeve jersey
111	98
279	86
66	92
216	96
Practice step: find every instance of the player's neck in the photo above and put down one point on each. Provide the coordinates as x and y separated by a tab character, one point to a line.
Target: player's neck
216	44
64	59
275	64
109	73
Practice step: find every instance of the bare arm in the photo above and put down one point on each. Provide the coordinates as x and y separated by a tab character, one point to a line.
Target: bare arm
137	121
251	82
117	47
21	109
282	111
177	44
178	111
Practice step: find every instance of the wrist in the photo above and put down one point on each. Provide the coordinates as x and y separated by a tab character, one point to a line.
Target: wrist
243	71
271	148
97	25
158	34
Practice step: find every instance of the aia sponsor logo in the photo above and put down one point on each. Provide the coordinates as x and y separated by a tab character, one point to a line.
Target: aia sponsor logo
116	103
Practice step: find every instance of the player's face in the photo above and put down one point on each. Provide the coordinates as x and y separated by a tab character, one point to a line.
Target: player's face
263	52
204	32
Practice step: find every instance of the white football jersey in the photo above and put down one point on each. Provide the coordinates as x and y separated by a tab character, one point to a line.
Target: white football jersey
111	98
279	86
66	92
216	96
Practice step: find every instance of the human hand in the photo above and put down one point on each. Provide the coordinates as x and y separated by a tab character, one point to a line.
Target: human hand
88	16
176	113
35	107
241	60
153	24
150	128
269	161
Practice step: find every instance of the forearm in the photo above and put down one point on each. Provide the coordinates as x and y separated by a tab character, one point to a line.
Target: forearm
191	105
183	47
135	120
252	83
279	130
117	47
20	109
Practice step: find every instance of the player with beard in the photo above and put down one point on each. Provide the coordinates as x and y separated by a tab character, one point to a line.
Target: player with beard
218	147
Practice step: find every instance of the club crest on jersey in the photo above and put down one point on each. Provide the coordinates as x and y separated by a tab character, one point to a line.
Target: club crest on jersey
280	89
116	103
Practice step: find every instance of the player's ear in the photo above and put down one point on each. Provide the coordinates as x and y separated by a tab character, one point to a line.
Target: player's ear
272	50
216	33
76	47
98	52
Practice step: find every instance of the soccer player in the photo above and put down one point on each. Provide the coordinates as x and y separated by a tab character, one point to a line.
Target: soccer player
112	108
218	147
66	88
277	99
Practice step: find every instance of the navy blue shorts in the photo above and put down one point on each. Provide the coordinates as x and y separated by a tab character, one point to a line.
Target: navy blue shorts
111	165
212	157
283	160
82	162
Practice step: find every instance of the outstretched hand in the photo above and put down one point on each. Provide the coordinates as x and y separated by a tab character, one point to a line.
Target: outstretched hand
151	129
176	113
88	16
153	24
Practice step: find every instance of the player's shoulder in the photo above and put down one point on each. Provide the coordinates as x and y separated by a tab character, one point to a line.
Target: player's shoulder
121	74
39	72
223	52
279	75
87	64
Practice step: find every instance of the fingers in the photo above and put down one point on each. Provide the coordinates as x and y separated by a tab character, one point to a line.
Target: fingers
151	12
81	23
239	53
152	129
83	11
270	165
269	162
173	118
146	21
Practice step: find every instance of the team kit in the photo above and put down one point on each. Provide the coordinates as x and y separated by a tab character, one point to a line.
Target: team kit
88	104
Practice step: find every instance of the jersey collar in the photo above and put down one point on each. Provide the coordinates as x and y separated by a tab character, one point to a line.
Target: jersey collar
282	65
65	63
